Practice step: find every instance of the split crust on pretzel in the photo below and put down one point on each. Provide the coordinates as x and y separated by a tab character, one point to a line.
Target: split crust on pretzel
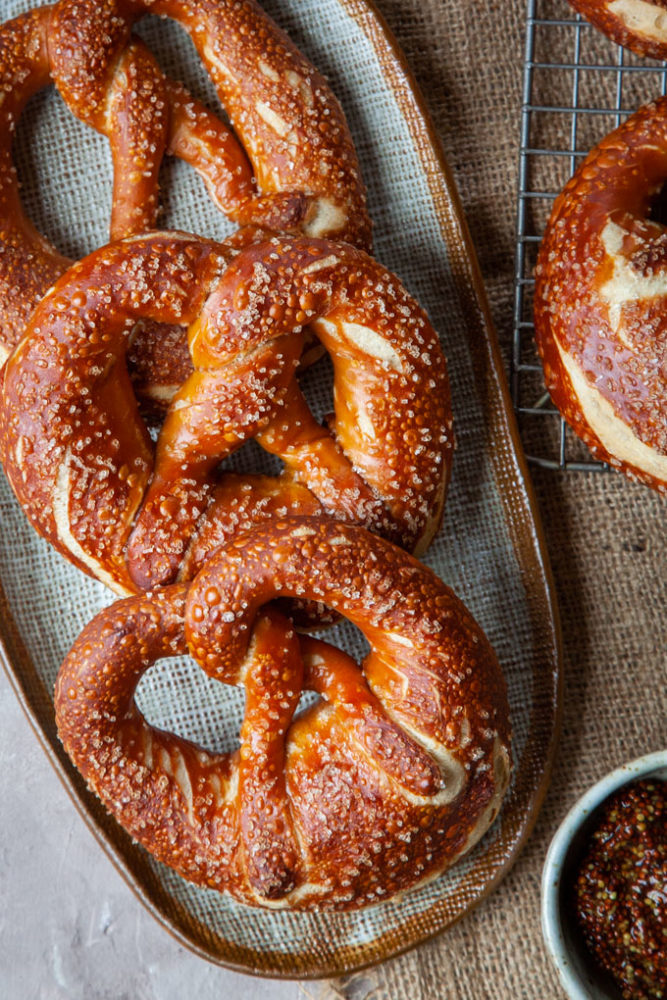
636	24
293	167
601	300
79	457
397	771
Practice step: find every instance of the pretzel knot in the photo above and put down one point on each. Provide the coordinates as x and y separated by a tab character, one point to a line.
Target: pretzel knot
80	460
397	770
290	165
600	317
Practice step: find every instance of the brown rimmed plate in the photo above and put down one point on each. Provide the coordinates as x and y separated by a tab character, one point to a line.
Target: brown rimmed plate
491	548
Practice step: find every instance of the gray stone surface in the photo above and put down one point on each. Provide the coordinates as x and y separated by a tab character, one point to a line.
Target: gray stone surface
70	928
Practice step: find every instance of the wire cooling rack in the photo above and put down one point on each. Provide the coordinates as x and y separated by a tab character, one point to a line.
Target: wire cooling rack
577	87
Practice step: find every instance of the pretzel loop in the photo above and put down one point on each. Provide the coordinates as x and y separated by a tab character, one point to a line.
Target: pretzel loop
397	770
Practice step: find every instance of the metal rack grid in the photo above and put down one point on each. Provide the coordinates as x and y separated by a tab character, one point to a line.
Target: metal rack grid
577	87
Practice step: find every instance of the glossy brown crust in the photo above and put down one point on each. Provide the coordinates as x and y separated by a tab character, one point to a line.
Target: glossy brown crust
386	781
600	291
79	458
639	25
29	265
305	180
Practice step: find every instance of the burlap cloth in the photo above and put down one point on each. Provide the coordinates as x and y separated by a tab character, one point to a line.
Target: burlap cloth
606	536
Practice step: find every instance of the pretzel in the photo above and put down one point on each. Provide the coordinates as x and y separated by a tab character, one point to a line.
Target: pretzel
396	772
79	458
636	24
302	174
600	307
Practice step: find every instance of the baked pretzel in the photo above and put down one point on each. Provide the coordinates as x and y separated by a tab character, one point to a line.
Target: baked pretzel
396	772
639	25
302	174
600	303
80	460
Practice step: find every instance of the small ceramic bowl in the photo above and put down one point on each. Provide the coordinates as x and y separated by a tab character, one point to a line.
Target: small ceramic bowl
578	975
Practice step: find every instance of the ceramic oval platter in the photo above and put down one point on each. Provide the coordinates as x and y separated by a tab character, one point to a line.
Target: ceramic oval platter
490	549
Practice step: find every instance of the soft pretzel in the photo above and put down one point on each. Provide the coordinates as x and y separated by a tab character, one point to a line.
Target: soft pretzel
637	24
600	300
80	460
302	174
397	771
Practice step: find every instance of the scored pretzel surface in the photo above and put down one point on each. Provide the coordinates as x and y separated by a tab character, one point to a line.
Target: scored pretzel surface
80	460
640	25
290	166
601	299
397	770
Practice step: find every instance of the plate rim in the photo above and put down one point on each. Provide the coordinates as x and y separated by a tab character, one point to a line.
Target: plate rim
511	466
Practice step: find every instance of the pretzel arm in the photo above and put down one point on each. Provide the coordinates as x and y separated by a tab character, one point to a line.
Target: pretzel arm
29	264
209	417
315	459
136	124
115	86
337	677
200	138
273	675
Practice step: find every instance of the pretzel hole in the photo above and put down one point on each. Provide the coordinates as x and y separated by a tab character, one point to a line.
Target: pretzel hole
176	55
251	458
67	196
657	209
176	696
